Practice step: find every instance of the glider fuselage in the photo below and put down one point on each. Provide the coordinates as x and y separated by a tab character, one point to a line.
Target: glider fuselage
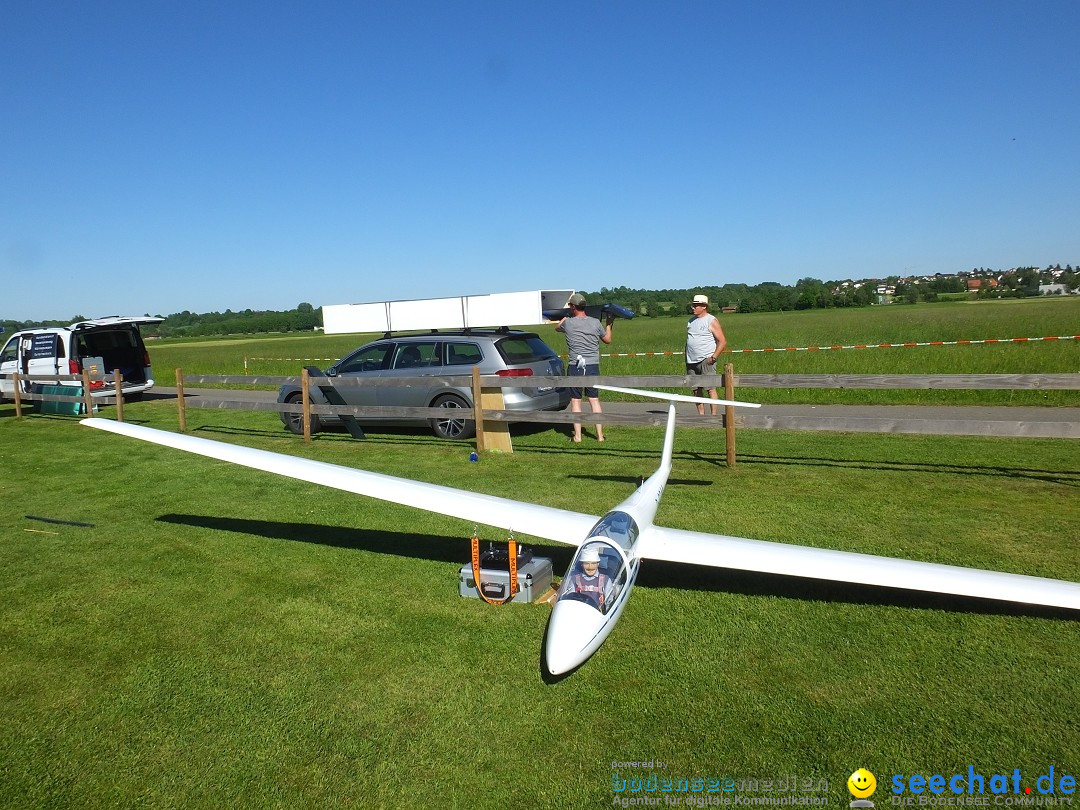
588	606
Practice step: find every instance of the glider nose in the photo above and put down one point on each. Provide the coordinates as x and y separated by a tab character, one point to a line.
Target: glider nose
573	634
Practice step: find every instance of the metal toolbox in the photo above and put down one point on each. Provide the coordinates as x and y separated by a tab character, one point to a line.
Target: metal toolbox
534	580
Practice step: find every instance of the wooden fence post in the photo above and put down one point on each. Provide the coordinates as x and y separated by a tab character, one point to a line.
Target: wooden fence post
305	401
478	410
495	436
181	405
117	379
88	401
729	412
18	394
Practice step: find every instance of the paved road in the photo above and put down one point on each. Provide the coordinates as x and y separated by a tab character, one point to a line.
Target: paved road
1060	423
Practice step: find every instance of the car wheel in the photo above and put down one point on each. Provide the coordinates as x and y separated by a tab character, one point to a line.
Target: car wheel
453	427
294	422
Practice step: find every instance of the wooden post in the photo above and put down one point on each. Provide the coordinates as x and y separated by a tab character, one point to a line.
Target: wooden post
18	394
117	379
181	404
88	401
305	401
729	412
490	435
478	410
496	434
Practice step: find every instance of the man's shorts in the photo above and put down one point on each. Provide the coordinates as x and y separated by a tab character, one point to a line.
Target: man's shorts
702	369
586	370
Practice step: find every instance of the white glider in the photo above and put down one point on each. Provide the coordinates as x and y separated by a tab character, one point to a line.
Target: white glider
611	547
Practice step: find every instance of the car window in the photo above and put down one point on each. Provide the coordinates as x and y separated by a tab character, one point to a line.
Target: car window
524	349
463	354
369	358
11	351
416	355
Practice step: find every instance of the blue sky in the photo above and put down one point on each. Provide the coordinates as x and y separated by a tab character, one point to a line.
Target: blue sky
163	156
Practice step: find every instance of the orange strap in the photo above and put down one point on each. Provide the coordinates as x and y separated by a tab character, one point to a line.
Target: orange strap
512	552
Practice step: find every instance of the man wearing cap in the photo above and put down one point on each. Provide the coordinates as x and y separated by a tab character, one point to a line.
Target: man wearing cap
587	582
704	342
583	336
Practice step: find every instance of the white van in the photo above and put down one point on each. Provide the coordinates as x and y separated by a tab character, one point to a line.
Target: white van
101	346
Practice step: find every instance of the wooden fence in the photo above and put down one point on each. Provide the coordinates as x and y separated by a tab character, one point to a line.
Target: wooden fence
88	385
492	420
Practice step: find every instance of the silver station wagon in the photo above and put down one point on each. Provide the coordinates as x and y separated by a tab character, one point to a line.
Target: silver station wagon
502	352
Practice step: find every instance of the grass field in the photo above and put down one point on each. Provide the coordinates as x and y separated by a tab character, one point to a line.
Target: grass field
223	637
884	324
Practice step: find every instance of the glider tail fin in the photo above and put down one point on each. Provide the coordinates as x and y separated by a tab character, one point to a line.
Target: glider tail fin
671	399
645	500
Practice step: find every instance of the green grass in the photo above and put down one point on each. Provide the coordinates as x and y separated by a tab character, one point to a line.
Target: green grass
883	324
223	637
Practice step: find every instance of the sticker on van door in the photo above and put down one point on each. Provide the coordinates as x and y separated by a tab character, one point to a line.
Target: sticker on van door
43	346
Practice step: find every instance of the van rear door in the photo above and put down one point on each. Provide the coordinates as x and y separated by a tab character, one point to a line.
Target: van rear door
115	320
114	344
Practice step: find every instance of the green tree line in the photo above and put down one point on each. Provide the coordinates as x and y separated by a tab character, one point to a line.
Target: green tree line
768	296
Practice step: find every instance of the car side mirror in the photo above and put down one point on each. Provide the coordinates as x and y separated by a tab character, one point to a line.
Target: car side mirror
332	371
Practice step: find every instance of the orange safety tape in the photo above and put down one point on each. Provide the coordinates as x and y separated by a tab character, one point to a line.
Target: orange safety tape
856	346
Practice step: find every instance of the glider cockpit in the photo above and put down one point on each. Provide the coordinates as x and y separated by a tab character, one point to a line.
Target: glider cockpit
604	564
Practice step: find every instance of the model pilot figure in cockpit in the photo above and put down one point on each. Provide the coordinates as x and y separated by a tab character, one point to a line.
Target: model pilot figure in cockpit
587	582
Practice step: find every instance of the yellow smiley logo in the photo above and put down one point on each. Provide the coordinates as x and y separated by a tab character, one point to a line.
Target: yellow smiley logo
861	783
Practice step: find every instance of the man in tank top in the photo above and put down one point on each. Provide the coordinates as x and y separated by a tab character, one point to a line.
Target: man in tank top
704	342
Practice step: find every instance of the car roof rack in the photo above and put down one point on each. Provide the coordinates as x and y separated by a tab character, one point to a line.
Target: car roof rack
467	330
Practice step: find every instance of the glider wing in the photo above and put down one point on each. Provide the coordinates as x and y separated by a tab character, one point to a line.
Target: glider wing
698	548
559	525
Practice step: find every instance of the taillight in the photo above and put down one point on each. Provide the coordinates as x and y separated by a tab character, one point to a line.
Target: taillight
73	366
514	372
146	358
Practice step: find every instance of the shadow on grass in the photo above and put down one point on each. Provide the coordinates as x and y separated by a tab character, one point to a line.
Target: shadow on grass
654	574
637	480
1070	478
657	574
402	544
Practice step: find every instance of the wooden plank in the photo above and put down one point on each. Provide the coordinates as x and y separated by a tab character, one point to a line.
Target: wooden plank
496	432
478	421
16	378
305	402
1038	382
181	402
88	401
118	380
729	413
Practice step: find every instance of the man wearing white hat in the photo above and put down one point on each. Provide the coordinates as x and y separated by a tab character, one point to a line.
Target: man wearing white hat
704	342
587	582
